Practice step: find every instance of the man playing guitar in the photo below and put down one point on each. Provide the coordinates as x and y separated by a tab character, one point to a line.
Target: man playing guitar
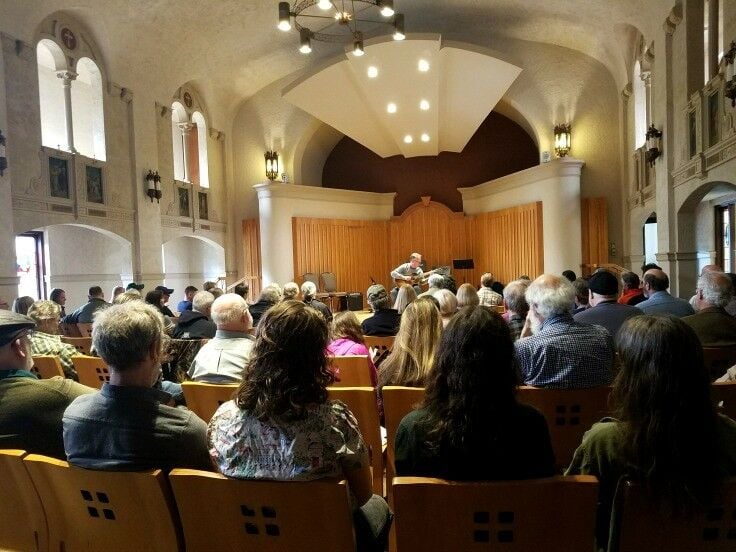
410	272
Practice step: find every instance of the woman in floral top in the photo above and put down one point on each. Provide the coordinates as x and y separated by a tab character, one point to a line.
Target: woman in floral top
281	425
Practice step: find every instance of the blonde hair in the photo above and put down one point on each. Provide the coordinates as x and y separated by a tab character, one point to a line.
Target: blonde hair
44	310
127	296
467	296
404	297
447	301
412	356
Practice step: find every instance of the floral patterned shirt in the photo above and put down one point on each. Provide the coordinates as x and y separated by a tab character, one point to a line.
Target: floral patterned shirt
326	443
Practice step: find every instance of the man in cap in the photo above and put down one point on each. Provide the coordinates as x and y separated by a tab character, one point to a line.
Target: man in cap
30	408
385	320
133	285
604	309
167	293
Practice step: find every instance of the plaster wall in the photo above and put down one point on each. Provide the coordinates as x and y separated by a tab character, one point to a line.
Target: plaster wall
190	261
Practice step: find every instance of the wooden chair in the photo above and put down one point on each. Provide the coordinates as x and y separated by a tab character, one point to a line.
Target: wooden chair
85	330
329	287
362	403
103	510
242	514
379	347
354	371
724	397
569	414
718	360
81	344
92	371
397	403
500	309
637	524
22	519
69	330
205	398
554	514
47	366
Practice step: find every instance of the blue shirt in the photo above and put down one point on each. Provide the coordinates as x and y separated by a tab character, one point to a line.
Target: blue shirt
661	302
184	306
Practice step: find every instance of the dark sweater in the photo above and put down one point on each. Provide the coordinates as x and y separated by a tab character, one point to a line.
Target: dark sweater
383	322
194	325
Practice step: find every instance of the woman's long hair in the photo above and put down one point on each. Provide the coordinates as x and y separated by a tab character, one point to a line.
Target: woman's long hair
668	422
474	381
345	324
404	297
412	354
288	369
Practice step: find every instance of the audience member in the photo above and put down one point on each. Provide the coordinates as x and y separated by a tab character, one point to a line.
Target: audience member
283	426
130	295
30	408
527	278
448	282
448	305
45	339
385	320
659	301
712	324
347	339
486	295
604	309
85	314
404	297
291	291
470	426
116	290
270	295
570	275
581	295
632	293
126	426
186	303
242	290
467	296
704	270
309	294
58	296
562	353
666	433
195	323
216	292
166	311
22	304
208	286
156	298
649	266
223	358
137	287
435	284
514	299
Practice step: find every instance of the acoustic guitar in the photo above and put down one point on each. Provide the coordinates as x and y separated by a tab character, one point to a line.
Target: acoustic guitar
422	280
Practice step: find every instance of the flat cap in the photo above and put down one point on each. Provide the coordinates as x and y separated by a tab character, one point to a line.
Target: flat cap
13	325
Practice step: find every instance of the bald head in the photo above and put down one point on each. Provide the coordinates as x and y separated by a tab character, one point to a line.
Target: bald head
655	280
230	312
710	268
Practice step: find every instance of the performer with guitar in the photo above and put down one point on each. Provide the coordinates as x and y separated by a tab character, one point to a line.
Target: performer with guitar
409	273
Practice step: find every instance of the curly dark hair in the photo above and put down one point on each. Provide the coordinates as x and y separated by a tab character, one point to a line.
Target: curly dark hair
474	381
667	421
288	369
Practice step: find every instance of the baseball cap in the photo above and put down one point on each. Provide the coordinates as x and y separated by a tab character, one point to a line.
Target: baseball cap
165	290
376	291
133	285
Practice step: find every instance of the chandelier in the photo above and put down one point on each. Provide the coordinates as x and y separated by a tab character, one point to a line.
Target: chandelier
349	15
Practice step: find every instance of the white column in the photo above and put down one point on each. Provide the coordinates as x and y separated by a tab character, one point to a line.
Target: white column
66	78
185	128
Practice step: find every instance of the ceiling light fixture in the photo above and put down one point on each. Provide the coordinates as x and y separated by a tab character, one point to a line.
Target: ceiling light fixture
306	43
425	137
372	72
341	26
423	65
424	105
408	139
391	107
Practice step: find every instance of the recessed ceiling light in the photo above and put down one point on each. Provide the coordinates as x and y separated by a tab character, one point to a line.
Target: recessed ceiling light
408	139
372	72
423	65
324	4
425	137
424	105
391	108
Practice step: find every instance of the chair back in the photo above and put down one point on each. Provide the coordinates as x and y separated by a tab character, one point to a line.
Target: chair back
723	395
102	510
500	309
354	371
329	282
379	346
553	514
261	515
22	519
47	366
362	402
569	414
81	344
311	277
718	360
205	398
92	371
637	524
70	330
85	329
397	402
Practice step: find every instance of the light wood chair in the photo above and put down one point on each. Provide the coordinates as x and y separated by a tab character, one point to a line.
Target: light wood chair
22	519
244	514
354	371
47	366
569	414
637	524
69	330
205	398
81	344
85	329
718	360
397	402
379	346
724	397
103	510
92	371
362	403
555	514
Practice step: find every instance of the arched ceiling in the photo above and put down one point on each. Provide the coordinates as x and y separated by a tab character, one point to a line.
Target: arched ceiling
232	49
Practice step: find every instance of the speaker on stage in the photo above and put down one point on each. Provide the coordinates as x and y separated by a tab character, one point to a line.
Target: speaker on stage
355	301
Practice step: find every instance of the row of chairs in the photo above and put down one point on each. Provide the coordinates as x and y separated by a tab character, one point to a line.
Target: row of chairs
92	371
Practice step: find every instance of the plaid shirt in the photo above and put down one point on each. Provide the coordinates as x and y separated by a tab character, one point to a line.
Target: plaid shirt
489	298
566	354
47	344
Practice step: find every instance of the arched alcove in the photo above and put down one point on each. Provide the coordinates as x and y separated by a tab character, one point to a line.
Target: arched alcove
50	59
178	118
191	260
649	239
198	119
87	110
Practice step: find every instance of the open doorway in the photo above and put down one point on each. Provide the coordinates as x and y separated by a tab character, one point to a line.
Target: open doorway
724	219
30	263
650	239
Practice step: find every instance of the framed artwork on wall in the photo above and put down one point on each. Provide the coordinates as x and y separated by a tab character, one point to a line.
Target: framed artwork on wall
95	192
59	177
183	202
203	214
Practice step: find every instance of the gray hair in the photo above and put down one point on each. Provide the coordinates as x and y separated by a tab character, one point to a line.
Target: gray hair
127	297
228	308
716	287
550	295
447	301
291	290
123	335
44	310
202	301
309	290
270	294
435	280
514	295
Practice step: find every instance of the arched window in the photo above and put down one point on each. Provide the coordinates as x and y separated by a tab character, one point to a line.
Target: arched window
179	122
87	112
50	61
640	107
198	119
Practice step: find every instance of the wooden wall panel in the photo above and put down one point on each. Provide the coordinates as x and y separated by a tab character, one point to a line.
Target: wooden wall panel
594	231
252	256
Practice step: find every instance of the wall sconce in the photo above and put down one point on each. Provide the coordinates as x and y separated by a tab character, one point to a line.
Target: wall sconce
272	165
153	186
562	139
654	144
729	59
3	158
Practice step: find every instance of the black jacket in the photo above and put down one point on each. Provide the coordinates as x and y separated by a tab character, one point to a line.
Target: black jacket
194	325
383	322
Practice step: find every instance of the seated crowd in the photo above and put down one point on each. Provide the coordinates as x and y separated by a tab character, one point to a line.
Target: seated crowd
470	348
